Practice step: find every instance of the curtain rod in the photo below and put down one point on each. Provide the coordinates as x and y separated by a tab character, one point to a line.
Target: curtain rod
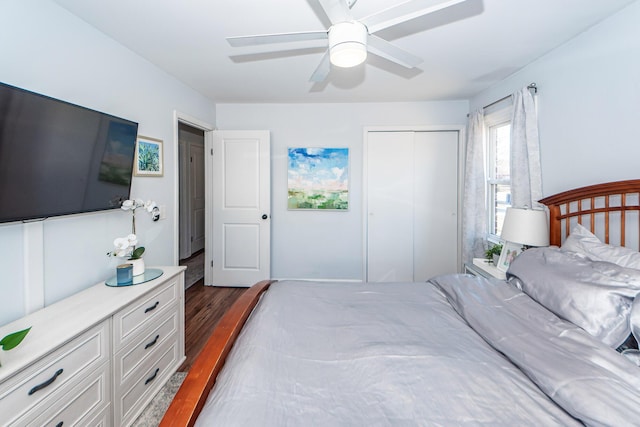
531	86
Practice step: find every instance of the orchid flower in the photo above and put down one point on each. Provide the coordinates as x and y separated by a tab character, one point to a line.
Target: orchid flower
126	205
150	205
132	204
126	246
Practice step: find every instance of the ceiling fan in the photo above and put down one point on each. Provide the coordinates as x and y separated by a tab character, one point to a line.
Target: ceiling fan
349	39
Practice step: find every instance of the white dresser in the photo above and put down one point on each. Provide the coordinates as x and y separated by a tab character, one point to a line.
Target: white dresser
96	358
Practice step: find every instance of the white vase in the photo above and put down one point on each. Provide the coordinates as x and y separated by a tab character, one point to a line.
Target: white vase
138	266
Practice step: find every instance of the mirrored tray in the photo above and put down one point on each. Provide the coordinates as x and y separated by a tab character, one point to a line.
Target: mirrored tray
149	274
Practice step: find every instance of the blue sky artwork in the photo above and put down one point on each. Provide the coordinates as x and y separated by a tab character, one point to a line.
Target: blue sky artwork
318	168
318	178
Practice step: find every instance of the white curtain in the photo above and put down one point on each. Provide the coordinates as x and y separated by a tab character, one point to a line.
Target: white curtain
526	176
474	209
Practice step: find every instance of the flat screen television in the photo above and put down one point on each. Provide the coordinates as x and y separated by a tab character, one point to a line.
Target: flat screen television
58	158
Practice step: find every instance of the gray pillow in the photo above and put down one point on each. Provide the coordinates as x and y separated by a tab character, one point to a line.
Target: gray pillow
593	295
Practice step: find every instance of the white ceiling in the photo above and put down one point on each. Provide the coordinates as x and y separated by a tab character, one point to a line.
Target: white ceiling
465	48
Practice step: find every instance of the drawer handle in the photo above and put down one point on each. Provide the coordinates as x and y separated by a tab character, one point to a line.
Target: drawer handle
46	383
153	307
152	377
152	343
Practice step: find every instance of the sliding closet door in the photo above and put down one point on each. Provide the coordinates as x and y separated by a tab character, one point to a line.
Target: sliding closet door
412	183
390	202
435	234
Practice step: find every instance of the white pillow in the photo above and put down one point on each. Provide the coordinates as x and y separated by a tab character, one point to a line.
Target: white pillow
584	242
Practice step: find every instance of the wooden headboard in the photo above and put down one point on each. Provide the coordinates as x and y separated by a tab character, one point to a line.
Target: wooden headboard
611	211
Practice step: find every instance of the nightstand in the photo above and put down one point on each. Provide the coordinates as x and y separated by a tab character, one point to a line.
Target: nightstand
482	267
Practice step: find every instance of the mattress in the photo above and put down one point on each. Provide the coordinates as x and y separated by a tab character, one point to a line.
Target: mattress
457	350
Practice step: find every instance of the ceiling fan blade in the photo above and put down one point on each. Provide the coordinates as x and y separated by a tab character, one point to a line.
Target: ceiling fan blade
391	52
260	39
404	12
336	10
322	71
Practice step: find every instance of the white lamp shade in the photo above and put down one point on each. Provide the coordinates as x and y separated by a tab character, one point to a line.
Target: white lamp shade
347	44
526	226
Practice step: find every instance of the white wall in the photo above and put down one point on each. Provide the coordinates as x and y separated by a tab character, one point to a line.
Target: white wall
588	104
47	50
325	245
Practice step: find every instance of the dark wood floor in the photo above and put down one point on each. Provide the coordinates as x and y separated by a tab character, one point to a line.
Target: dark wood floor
204	306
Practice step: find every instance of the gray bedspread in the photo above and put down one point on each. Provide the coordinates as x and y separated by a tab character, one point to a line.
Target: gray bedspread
400	354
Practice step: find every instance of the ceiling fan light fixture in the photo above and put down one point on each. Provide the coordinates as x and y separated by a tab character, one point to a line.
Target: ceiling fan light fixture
348	54
347	44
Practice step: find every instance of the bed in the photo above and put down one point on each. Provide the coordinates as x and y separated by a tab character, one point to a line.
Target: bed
553	345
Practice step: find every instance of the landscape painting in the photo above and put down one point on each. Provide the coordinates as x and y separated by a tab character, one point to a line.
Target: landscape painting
318	178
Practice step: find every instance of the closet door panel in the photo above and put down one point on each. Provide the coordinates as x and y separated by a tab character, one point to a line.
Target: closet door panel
435	204
412	203
390	206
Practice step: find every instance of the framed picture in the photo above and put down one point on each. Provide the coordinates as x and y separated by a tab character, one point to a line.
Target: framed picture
318	179
509	252
148	159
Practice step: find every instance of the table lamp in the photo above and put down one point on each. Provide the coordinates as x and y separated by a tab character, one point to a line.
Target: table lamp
528	227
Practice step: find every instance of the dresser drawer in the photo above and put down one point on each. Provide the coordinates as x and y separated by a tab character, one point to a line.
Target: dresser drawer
135	394
61	368
135	317
77	407
135	354
102	419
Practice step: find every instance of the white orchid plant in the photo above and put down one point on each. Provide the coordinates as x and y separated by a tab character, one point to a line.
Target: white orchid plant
126	246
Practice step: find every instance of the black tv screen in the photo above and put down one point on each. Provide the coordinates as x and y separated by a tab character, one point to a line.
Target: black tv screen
57	158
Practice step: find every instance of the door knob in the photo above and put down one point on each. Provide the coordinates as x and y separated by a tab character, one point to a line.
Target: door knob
265	216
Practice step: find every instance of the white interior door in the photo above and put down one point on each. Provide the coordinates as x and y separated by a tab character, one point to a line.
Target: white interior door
196	196
238	221
412	200
184	249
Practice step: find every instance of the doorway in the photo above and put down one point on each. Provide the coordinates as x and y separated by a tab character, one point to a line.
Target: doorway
191	199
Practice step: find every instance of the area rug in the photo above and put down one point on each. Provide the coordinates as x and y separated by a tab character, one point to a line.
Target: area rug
195	269
154	412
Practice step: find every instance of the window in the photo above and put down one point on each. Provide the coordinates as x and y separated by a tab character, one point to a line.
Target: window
498	128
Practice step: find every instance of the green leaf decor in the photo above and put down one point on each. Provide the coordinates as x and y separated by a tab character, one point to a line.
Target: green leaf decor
13	340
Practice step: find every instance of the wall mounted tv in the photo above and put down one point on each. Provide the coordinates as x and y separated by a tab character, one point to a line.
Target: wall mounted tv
57	158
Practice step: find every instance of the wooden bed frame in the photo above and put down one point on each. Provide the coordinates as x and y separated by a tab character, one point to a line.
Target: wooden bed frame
610	210
195	388
606	209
